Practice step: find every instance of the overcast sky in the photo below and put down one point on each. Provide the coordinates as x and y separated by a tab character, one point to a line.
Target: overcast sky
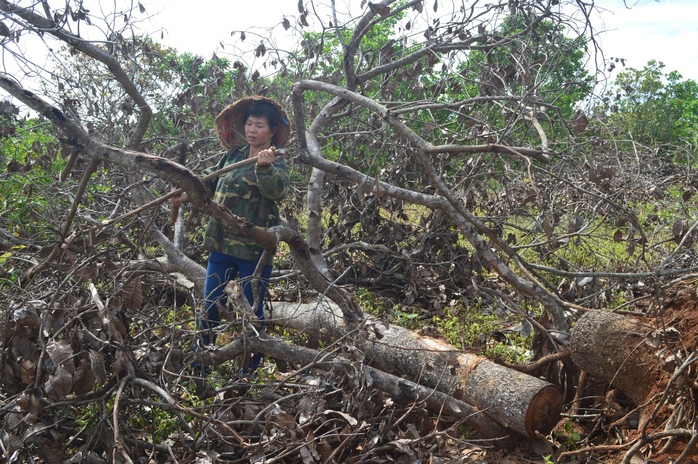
665	30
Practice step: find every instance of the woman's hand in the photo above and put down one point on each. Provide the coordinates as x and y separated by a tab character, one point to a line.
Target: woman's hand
179	199
266	157
176	202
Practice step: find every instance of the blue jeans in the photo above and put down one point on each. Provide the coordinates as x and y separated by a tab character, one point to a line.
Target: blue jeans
221	269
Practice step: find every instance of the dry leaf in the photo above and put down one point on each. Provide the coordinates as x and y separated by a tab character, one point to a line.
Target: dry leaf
84	380
60	383
27	369
87	272
678	230
382	10
120	363
97	365
132	294
580	123
529	198
618	236
630	247
61	354
4	30
350	420
109	265
261	50
548	227
378	190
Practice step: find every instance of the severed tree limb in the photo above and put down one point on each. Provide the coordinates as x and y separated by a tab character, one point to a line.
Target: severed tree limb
401	390
616	349
519	401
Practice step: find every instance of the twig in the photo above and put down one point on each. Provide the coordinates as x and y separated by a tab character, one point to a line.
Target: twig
545	360
591	449
115	417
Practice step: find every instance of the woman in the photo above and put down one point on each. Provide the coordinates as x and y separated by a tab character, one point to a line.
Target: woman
252	127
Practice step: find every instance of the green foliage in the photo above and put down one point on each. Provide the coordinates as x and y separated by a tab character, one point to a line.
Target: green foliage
30	160
569	436
368	302
533	60
408	319
549	54
202	89
467	326
657	109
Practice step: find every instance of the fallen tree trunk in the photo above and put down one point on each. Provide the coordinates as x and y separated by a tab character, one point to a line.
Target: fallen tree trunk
400	390
525	404
619	350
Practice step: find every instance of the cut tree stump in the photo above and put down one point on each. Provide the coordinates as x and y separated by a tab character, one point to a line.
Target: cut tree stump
520	402
619	350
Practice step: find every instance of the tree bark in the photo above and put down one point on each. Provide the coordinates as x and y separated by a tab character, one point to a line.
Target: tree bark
525	404
618	350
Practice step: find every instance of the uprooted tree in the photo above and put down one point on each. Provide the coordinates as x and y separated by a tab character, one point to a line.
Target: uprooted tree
441	162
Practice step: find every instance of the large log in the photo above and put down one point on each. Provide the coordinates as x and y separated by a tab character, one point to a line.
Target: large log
618	350
525	404
399	389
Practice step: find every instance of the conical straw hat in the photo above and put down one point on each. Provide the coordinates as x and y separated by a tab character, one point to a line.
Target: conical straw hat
230	126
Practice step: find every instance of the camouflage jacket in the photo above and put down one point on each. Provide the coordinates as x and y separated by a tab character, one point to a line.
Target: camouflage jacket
250	192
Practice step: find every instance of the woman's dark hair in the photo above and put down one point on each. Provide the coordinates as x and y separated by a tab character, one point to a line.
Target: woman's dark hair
260	109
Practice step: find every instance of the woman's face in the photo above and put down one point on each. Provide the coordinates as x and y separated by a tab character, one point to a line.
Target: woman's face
257	132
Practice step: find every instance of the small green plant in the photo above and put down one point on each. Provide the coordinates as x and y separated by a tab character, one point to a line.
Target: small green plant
464	326
406	319
472	325
368	302
569	437
513	349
